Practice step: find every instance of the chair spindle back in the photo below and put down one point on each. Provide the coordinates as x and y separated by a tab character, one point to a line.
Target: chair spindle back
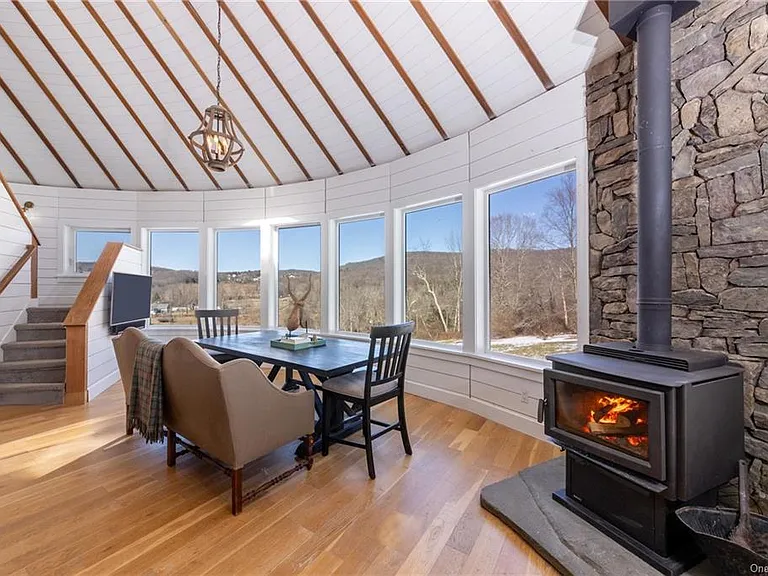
215	322
388	354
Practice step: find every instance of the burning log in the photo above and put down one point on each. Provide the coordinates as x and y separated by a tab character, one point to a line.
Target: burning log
622	427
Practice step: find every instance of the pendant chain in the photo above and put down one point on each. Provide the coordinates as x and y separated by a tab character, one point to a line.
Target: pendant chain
218	61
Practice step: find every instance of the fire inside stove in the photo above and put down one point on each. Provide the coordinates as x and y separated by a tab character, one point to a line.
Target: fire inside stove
618	421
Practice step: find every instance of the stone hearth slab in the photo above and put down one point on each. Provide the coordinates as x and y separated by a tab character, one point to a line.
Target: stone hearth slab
574	547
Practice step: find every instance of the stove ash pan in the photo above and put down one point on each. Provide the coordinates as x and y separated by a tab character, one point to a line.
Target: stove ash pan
683	429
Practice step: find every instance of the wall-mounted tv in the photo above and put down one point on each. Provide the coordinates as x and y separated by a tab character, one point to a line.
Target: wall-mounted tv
131	296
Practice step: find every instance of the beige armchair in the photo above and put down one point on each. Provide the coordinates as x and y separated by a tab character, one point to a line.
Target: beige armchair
231	412
125	347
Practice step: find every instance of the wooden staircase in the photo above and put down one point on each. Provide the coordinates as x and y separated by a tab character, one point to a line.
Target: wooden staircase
33	367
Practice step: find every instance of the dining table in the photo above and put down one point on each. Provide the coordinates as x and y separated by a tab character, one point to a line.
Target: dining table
307	368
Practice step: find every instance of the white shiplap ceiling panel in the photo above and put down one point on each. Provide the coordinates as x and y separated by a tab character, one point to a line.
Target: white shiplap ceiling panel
337	82
306	97
428	66
378	74
297	131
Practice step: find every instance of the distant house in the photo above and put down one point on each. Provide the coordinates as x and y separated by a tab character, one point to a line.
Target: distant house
160	308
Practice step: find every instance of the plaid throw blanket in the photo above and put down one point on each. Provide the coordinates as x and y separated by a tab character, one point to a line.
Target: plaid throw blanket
145	412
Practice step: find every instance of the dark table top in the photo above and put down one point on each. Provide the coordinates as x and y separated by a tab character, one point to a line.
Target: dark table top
335	358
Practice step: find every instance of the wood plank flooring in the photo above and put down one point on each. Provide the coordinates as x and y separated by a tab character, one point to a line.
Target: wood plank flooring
78	496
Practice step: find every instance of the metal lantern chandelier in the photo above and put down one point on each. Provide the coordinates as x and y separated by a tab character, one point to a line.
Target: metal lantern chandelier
215	141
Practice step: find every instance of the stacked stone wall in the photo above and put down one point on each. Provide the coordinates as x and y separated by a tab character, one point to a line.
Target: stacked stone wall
720	199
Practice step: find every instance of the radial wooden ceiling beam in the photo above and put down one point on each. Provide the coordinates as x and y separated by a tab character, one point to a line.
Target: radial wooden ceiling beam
351	71
522	43
143	81
183	47
160	60
38	131
276	81
17	158
52	51
308	71
437	34
396	63
89	53
246	87
59	108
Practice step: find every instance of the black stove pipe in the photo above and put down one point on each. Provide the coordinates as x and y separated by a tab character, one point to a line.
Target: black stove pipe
654	197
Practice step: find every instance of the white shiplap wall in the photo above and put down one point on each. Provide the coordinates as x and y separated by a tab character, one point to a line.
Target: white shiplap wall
548	131
102	366
56	210
15	238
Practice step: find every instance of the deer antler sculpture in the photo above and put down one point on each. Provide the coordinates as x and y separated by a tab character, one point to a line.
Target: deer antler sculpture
296	317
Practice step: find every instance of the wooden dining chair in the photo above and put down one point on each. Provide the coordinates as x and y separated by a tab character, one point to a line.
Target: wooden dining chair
383	379
213	323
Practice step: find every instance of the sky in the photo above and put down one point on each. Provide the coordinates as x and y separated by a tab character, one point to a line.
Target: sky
238	250
361	240
90	243
299	247
175	250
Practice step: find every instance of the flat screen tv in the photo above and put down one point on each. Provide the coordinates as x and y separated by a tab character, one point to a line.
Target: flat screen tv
131	297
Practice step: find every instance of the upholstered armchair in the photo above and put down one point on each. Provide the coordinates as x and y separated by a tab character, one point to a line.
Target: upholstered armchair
230	412
125	347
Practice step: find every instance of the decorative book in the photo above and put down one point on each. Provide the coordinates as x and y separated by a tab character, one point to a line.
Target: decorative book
297	342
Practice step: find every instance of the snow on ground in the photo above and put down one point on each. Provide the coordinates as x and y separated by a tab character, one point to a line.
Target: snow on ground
520	341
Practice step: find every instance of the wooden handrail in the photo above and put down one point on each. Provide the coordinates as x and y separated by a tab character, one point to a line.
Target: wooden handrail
93	285
20	209
30	252
76	324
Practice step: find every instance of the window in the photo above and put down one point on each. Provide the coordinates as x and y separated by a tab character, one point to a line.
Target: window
238	273
90	243
174	264
532	266
433	272
361	274
298	273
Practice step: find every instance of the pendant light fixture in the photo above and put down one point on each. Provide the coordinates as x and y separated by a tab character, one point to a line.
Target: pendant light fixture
215	141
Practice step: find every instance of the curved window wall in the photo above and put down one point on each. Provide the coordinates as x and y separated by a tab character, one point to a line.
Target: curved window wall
414	264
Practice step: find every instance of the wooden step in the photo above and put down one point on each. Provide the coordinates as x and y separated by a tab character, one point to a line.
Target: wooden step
26	371
40	331
31	393
35	350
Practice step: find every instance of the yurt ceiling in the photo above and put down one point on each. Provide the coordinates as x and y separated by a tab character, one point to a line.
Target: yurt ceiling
103	94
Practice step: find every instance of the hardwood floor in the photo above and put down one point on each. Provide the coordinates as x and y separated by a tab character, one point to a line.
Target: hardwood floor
78	496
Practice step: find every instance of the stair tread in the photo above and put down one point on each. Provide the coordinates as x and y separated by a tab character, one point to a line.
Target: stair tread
30	386
33	364
35	344
41	326
48	308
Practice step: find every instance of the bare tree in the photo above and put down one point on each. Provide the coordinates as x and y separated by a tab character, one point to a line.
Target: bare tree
560	218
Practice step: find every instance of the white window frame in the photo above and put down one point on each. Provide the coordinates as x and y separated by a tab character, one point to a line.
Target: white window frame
400	248
202	260
482	260
274	250
69	244
335	265
214	289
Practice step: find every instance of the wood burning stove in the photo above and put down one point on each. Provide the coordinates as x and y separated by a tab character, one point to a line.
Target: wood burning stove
644	434
646	429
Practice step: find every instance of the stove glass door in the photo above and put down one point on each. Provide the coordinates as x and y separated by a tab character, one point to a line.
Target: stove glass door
612	419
